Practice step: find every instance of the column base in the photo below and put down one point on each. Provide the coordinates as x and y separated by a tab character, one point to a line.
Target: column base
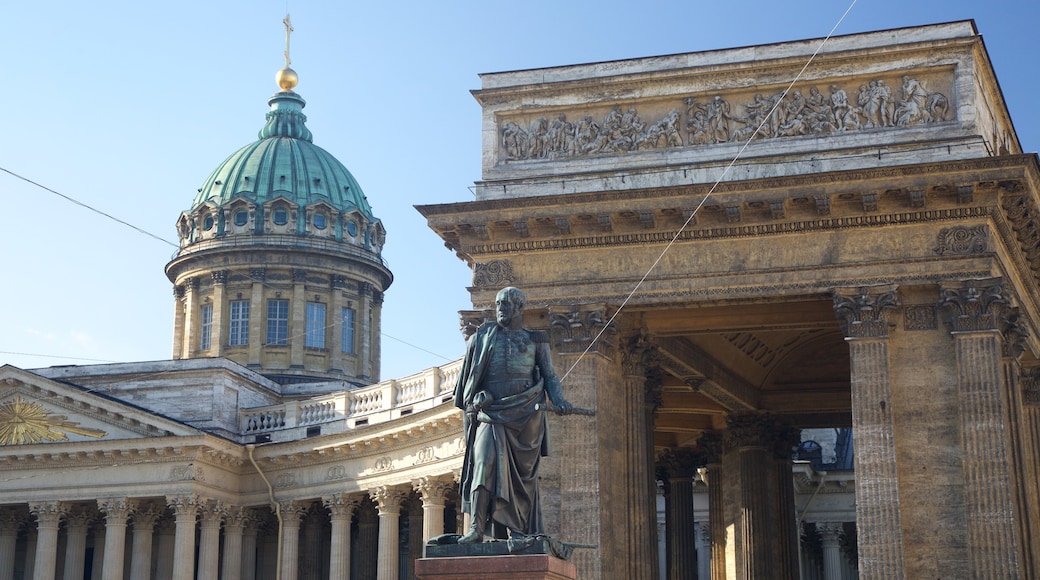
518	567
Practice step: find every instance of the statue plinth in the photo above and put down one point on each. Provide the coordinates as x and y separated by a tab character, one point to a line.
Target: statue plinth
511	567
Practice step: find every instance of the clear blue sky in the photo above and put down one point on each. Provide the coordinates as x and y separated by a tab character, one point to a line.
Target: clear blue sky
128	106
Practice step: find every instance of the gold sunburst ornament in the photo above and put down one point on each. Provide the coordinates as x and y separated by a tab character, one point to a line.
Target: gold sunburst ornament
24	422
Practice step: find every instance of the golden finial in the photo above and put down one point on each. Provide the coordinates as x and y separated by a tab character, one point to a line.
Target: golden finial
286	78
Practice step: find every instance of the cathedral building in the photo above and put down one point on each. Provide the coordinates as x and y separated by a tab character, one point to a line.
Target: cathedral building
805	306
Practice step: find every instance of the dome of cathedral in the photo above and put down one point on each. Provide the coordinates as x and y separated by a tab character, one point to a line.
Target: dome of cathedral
284	162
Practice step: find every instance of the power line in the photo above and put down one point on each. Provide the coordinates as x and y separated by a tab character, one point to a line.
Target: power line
85	206
693	214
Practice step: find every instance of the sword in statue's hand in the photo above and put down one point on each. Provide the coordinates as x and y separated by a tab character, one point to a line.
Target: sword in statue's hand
564	410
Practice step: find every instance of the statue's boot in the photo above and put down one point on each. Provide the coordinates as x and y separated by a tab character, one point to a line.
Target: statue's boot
481	500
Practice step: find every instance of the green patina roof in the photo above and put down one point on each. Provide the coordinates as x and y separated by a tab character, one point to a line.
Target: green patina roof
284	163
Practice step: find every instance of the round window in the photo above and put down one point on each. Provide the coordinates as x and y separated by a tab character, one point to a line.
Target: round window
207	223
241	217
281	217
352	228
320	221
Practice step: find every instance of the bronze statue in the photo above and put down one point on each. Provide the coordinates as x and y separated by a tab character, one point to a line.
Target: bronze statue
505	379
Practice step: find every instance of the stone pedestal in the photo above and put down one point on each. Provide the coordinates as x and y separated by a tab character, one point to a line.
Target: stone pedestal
521	567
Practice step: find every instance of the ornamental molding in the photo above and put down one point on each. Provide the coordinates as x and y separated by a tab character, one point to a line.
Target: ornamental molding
733	231
882	103
493	274
679	462
962	240
975	305
920	317
863	312
579	330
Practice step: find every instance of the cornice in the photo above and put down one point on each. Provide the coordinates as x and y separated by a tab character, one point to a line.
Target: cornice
379	439
755	189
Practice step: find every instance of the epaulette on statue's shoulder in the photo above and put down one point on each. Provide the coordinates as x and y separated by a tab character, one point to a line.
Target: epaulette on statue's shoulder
539	335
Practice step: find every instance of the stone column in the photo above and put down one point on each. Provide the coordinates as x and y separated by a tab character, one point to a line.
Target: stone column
179	292
31	536
366	335
235	521
368	542
211	514
588	358
863	313
10	520
191	305
297	319
310	542
341	508
433	491
116	512
336	304
257	309
639	360
48	516
185	510
830	538
97	566
416	539
703	551
750	494
217	333
164	552
388	502
678	467
77	523
292	514
141	550
375	324
787	536
973	312
710	444
1015	331
249	556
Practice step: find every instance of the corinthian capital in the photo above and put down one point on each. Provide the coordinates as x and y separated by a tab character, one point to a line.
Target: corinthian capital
863	312
974	305
583	329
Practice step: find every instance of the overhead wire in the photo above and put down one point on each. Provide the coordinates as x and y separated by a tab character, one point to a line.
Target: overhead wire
704	198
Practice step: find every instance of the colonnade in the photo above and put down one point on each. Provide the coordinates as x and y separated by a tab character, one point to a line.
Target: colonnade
375	535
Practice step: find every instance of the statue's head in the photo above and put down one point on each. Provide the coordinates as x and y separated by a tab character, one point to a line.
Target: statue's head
509	307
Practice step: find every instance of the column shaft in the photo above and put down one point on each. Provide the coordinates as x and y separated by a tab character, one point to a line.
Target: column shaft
389	504
830	535
877	480
292	515
48	518
143	533
682	546
209	540
987	483
76	545
185	513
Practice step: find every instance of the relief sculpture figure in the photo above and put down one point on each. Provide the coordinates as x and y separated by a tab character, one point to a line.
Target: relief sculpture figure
505	381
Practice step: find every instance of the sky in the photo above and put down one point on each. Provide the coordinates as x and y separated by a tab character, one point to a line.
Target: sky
127	107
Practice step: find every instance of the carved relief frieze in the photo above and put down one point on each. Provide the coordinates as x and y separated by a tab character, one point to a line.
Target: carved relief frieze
493	274
187	473
920	317
284	480
425	455
1031	387
962	240
701	120
383	464
336	473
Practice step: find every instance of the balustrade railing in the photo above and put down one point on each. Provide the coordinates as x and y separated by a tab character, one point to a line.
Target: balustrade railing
377	403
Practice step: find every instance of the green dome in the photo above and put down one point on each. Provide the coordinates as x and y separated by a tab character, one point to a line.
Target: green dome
284	163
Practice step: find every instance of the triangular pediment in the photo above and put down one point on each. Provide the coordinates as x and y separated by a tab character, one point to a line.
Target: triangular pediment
35	410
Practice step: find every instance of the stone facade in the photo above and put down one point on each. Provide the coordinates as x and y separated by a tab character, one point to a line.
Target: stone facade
859	265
